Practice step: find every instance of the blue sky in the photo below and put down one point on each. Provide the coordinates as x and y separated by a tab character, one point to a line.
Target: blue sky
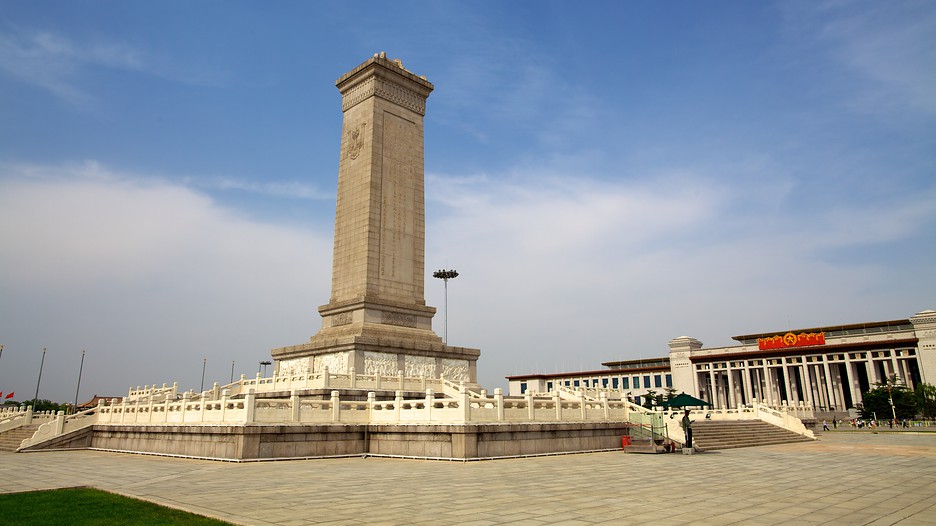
605	176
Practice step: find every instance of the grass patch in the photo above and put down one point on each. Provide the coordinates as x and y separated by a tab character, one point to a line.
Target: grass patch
87	506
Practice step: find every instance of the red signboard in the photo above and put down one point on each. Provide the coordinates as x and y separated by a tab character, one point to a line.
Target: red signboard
782	341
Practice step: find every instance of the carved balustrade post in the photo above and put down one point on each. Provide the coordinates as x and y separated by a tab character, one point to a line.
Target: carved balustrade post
499	402
59	423
466	406
335	407
398	402
250	406
430	400
294	406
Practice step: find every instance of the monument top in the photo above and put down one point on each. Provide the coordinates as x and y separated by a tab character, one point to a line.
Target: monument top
391	65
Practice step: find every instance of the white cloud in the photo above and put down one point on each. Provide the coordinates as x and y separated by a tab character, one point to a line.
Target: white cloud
561	273
149	276
557	273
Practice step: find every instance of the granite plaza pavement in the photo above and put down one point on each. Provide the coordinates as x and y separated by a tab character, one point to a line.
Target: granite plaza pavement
845	478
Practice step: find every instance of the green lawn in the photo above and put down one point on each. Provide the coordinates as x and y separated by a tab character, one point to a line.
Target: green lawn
80	506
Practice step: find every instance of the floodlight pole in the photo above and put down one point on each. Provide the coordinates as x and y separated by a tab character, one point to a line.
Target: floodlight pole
204	365
78	387
232	371
39	380
263	364
445	275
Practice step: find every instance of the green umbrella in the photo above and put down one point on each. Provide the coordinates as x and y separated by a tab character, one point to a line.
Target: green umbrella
684	400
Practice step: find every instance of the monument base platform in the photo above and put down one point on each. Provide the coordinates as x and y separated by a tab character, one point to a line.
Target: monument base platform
251	442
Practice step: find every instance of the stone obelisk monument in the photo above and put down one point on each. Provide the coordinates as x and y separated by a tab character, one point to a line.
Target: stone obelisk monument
377	320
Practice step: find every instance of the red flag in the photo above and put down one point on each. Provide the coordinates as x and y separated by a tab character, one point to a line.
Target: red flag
9	395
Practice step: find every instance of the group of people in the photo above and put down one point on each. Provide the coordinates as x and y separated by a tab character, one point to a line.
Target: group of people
859	423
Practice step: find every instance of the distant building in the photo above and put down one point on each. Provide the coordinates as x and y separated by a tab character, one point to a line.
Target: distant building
95	400
827	367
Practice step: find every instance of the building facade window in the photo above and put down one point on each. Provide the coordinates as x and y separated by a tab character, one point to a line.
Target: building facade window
658	380
669	380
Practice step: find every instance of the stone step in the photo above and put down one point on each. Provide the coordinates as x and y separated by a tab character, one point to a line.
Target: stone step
748	433
11	440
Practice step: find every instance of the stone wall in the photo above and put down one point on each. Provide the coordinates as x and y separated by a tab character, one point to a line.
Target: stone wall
260	441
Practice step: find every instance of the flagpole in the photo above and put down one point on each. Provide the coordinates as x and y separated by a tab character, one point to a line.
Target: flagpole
80	368
41	363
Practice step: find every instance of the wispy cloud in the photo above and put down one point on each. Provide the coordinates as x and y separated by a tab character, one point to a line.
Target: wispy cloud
890	45
285	189
56	63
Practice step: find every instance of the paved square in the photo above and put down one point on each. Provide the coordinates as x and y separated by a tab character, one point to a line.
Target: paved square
845	478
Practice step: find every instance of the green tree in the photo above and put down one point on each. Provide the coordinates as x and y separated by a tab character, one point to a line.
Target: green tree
669	394
877	401
47	405
649	399
926	399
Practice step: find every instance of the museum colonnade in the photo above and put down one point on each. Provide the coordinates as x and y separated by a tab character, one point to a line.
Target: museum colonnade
827	381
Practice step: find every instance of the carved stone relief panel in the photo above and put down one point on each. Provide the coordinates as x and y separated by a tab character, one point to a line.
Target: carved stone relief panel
455	370
342	318
294	366
398	319
336	362
380	363
420	366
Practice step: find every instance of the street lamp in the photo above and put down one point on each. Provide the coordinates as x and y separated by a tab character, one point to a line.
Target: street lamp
892	382
445	275
263	364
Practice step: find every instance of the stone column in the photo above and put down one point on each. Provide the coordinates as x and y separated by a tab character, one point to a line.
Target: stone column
731	399
786	381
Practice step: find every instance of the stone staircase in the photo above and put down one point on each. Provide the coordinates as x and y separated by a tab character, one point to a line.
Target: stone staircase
12	439
714	434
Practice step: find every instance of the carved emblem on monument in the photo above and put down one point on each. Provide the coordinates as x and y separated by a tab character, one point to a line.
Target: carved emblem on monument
356	137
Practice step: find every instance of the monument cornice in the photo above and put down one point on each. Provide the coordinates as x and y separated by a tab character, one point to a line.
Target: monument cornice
386	79
372	302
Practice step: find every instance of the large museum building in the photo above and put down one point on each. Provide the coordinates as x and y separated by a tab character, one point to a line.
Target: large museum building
825	367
